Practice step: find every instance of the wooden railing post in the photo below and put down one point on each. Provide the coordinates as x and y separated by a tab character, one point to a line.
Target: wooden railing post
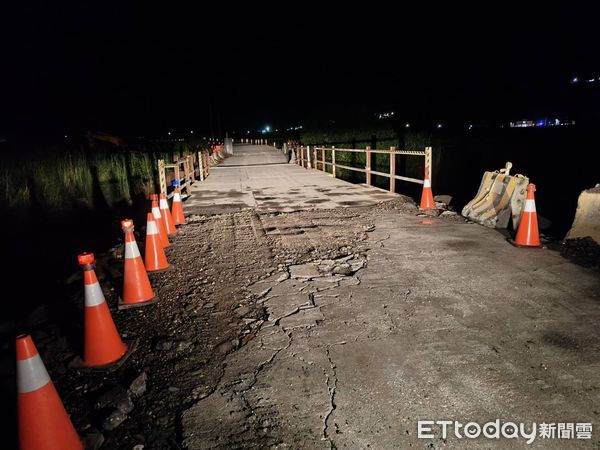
186	175
315	157
193	159
428	163
392	169
192	167
333	161
201	165
368	165
177	173
161	176
323	165
308	161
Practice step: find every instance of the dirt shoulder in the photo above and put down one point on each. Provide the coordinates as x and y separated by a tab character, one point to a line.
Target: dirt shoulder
206	311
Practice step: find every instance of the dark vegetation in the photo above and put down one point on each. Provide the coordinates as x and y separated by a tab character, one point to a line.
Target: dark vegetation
558	160
58	201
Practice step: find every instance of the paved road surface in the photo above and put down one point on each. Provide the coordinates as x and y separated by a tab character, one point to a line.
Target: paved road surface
260	177
439	322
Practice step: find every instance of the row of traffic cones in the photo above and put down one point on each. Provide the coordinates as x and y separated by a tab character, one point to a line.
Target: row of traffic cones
160	224
528	234
43	422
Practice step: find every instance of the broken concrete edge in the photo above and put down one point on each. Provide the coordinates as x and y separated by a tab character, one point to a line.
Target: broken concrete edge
499	199
587	216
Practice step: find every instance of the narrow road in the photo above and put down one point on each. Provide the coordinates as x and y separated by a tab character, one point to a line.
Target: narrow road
260	177
373	321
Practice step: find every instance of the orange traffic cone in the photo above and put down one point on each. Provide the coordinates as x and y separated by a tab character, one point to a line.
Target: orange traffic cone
102	344
43	421
162	231
154	257
427	195
177	206
136	285
166	215
528	234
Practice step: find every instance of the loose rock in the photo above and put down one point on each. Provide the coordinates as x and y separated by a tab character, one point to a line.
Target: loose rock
114	420
138	386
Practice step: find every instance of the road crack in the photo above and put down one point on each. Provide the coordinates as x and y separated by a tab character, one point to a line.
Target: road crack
332	388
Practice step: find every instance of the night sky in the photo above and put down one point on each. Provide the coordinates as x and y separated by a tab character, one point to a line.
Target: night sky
141	69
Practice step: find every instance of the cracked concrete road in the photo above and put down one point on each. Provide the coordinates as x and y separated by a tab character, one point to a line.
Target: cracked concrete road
417	322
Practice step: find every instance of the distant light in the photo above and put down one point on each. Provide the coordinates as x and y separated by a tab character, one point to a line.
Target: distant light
267	128
169	133
248	132
385	115
191	131
66	136
470	126
591	80
407	125
574	80
439	125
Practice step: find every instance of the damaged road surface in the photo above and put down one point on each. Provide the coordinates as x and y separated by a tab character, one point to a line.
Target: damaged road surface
374	321
445	322
287	325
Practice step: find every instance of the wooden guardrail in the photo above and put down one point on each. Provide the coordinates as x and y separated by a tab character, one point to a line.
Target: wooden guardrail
184	169
308	157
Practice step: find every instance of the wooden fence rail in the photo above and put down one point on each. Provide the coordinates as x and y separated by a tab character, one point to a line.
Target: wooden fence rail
308	157
184	169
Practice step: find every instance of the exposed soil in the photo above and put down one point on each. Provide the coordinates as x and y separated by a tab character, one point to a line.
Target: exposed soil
582	251
208	308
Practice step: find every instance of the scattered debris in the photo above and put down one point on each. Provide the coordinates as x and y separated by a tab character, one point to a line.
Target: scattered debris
115	419
93	439
448	214
138	385
208	307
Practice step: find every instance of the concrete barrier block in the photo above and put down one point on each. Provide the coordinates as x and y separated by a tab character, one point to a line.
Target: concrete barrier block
587	217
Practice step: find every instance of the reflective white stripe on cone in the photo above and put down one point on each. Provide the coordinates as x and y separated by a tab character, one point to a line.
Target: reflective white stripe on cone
31	374
93	293
131	250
